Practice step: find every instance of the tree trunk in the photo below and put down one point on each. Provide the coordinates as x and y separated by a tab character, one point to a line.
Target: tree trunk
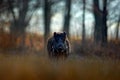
66	27
83	21
100	30
18	31
47	20
104	27
117	29
19	23
98	22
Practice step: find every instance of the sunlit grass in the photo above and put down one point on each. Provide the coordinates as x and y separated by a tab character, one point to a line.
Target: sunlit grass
90	62
33	67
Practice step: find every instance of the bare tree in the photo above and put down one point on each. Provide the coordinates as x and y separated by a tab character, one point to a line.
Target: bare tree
47	18
83	22
100	30
117	28
104	19
98	21
22	12
114	16
66	26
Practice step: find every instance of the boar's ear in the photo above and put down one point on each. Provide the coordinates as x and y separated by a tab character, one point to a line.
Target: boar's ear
64	33
55	34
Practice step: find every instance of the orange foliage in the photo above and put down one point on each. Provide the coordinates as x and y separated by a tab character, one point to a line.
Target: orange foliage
8	41
34	41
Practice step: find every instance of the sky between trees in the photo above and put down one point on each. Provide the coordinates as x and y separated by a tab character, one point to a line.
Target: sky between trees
76	18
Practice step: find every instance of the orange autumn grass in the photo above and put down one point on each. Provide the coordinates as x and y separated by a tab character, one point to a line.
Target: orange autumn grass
33	67
8	41
40	67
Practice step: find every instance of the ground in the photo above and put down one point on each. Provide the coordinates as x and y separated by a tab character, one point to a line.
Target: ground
91	62
34	67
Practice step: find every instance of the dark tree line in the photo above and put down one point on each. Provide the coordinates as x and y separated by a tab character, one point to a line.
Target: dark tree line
22	11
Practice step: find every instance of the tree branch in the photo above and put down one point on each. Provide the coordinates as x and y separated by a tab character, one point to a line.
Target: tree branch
11	9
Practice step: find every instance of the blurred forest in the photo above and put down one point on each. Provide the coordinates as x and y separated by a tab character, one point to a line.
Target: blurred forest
92	26
27	24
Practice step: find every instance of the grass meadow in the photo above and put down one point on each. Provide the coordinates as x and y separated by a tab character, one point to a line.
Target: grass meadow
89	63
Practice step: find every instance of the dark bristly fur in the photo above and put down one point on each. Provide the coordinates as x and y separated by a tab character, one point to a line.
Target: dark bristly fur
58	45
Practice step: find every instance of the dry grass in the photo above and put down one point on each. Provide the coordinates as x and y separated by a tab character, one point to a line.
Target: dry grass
33	67
32	41
6	41
90	62
111	50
